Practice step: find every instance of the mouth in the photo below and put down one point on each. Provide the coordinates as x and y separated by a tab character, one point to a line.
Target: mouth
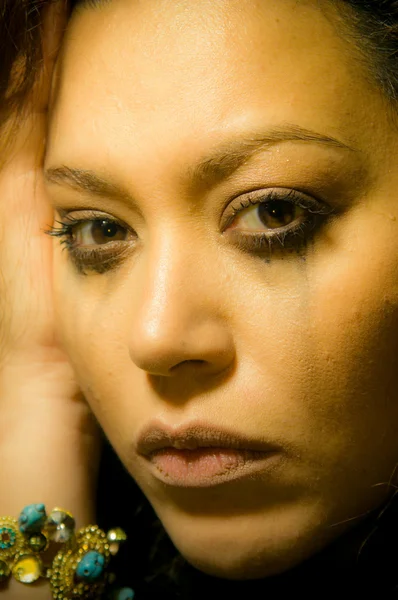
202	455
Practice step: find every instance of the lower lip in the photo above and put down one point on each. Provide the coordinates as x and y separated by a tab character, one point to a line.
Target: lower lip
206	467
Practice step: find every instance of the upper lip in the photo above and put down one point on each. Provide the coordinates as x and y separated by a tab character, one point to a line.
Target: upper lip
158	436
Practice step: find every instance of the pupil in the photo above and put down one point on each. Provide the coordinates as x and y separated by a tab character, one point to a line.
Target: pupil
277	213
108	229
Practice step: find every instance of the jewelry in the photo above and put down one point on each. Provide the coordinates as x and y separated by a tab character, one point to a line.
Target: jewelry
75	562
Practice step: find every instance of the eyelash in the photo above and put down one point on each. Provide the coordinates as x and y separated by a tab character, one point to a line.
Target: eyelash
291	238
86	259
284	239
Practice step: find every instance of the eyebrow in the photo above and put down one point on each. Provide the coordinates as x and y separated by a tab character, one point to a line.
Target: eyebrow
232	155
217	166
85	181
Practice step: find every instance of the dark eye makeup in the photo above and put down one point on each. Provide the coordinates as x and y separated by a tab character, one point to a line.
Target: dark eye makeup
266	223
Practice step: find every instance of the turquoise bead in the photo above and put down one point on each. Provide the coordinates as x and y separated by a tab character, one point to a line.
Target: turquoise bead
32	518
125	593
90	567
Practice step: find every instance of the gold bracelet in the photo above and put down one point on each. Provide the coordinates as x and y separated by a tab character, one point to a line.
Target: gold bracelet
75	562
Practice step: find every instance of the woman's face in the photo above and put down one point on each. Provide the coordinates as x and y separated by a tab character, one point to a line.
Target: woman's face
226	173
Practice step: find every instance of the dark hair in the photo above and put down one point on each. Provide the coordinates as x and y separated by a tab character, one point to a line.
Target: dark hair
373	25
20	43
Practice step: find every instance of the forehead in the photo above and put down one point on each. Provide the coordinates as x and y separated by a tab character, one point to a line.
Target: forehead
147	72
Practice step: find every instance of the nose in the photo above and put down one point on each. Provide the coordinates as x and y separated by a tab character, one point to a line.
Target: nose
179	317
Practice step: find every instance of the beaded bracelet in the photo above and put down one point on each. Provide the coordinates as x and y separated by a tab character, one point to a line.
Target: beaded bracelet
75	562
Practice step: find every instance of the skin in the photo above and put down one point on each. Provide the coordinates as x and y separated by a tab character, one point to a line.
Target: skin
296	347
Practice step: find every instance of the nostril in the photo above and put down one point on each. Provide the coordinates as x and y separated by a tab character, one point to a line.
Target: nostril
189	363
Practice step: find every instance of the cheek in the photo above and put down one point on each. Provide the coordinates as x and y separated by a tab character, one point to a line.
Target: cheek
94	331
354	343
355	312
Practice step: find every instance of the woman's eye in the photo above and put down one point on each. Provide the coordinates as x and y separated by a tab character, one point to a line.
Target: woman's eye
275	214
278	220
98	233
94	243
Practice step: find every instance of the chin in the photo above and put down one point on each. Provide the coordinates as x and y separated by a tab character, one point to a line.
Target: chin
239	568
244	565
243	550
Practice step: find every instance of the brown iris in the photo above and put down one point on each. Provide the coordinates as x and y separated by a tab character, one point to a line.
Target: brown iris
276	213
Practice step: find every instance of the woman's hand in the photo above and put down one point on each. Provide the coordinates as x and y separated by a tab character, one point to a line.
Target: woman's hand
49	442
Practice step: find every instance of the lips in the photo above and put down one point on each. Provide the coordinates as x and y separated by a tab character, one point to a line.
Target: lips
156	437
200	456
